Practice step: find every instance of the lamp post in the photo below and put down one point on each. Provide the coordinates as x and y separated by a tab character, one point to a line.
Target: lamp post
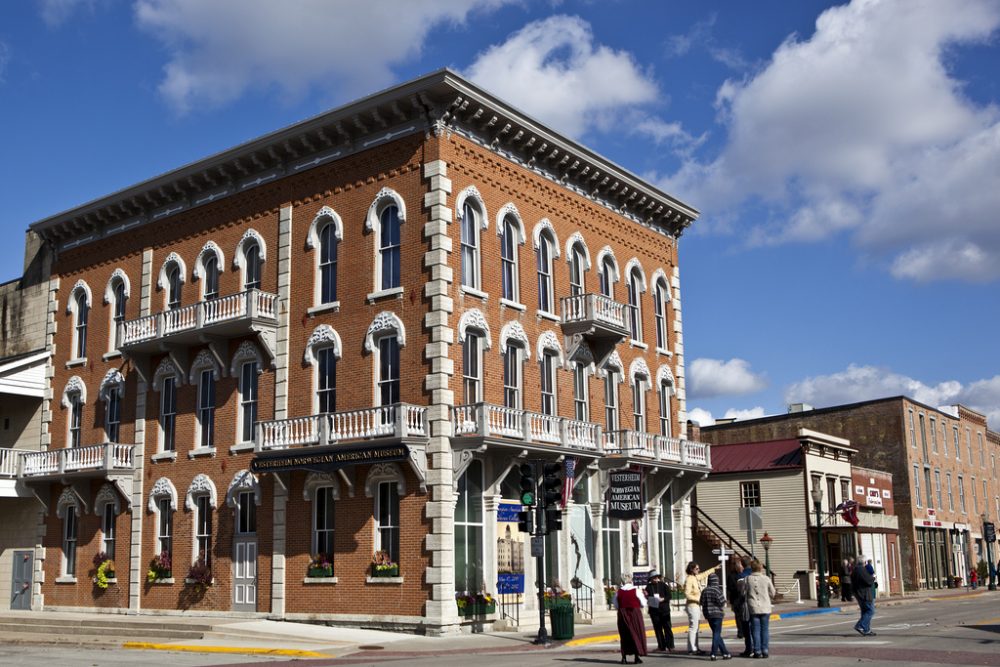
765	542
824	595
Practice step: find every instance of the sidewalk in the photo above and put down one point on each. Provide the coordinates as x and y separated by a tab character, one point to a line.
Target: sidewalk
262	637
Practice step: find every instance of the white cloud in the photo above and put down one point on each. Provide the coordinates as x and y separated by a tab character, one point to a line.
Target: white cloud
553	70
862	383
701	417
704	418
220	49
863	128
714	377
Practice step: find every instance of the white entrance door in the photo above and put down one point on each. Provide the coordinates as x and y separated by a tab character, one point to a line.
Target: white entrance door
245	554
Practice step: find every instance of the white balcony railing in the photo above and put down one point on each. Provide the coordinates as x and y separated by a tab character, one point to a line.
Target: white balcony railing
488	420
593	308
657	447
248	305
865	520
107	457
401	420
8	462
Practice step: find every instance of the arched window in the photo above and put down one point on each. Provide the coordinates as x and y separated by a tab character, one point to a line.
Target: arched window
116	295
74	398
514	348
322	352
202	500
665	381
211	285
324	491
508	260
613	375
581	393
474	335
607	271
577	264
79	307
163	503
544	268
106	507
112	390
69	509
251	274
640	379
384	338
165	380
660	298
329	244
174	282
635	288
204	374
246	367
470	245
385	218
385	484
550	357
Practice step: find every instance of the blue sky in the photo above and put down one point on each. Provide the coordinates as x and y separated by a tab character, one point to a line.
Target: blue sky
845	157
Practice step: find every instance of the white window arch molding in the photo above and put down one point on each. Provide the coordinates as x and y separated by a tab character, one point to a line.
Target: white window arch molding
210	248
658	276
471	195
509	210
109	291
639	369
203	362
385	198
106	496
322	336
544	226
634	266
549	342
250	236
201	485
318	480
247	351
384	472
81	288
165	369
113	381
514	331
385	323
665	377
576	239
172	258
74	386
162	488
614	362
606	257
475	320
69	499
244	480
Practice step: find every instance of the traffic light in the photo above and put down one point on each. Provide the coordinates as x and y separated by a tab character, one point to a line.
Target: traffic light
527	484
551	485
553	519
524	521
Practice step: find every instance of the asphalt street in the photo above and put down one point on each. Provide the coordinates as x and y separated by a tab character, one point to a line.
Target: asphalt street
960	630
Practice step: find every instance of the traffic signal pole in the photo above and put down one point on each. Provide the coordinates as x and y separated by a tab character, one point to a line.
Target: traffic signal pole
543	635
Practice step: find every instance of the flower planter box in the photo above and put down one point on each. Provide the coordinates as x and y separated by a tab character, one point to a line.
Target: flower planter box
477	609
382	571
319	572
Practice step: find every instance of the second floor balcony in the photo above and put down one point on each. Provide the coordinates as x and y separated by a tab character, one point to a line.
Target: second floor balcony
92	461
230	316
658	448
8	462
873	520
499	423
594	322
400	421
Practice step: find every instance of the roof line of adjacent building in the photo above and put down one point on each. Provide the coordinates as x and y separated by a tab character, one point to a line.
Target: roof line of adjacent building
833	408
440	101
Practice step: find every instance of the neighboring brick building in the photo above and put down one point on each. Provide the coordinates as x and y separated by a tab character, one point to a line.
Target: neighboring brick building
342	337
878	527
943	467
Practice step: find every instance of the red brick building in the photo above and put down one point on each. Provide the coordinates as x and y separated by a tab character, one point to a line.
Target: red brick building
340	339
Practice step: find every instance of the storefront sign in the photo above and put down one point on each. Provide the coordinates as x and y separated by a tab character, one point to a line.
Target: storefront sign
874	498
332	460
625	495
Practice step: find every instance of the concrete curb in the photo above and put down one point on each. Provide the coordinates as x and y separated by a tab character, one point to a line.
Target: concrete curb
244	650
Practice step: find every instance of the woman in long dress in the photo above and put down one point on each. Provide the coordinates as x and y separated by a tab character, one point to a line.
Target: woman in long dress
630	601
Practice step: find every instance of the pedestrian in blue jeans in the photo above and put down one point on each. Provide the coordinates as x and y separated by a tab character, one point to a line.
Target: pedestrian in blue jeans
864	590
713	606
760	595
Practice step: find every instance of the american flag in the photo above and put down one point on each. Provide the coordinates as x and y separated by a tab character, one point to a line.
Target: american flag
567	490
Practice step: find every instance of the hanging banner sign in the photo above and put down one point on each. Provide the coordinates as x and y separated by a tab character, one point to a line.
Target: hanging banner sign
331	460
625	494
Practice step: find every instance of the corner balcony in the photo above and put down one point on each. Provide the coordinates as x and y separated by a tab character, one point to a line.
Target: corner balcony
526	430
94	461
8	463
246	313
595	320
646	447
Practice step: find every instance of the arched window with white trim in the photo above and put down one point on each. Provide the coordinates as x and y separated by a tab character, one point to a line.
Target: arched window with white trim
251	253
202	500
385	336
470	223
385	218
385	485
79	306
665	380
511	233
607	272
329	245
323	490
69	510
640	381
165	380
204	375
661	296
474	336
106	507
581	392
171	280
613	376
112	391
247	366
74	398
163	503
116	295
550	357
544	250
636	286
207	268
578	264
322	352
514	348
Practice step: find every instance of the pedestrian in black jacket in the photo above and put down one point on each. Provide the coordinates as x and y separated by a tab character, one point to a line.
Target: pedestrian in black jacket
658	598
713	607
863	584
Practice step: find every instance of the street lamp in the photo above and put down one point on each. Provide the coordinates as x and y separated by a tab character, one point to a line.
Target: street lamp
765	542
824	595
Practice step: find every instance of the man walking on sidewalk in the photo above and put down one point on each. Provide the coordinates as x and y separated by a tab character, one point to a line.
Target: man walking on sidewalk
863	584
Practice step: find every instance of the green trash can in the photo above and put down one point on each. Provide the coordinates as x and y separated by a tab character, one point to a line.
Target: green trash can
562	621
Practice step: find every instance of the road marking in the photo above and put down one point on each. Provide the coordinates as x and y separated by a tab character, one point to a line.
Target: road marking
190	648
839	642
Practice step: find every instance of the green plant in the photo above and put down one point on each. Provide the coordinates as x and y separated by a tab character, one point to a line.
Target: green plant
107	566
382	565
160	567
983	570
200	574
